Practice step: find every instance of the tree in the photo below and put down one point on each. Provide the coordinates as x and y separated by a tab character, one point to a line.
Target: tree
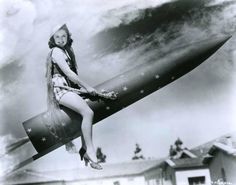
137	153
178	145
174	150
100	156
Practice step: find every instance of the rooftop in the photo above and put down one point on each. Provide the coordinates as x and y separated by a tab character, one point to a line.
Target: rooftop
202	150
219	147
27	177
187	163
133	168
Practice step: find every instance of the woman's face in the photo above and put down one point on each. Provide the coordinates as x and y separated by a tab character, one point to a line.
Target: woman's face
60	38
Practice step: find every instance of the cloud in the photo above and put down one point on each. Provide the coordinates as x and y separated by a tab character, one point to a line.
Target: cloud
6	74
15	28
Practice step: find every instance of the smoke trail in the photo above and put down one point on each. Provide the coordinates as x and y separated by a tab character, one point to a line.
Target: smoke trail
13	151
6	161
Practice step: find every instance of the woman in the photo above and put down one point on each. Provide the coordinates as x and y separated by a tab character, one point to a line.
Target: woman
62	71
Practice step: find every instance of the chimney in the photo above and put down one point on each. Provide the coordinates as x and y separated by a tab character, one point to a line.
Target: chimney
229	141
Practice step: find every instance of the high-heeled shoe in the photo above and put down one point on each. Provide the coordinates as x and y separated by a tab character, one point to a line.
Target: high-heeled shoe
82	151
93	164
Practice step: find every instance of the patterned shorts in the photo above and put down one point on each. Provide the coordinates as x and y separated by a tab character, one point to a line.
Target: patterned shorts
60	81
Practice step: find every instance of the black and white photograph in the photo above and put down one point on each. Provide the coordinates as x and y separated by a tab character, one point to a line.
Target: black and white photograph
128	92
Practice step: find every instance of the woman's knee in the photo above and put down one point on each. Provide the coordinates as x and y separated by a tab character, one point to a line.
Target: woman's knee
87	112
77	104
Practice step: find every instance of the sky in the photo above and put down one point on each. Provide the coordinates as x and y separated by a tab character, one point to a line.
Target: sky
197	108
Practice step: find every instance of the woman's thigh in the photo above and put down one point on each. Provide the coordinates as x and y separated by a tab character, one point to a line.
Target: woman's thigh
75	102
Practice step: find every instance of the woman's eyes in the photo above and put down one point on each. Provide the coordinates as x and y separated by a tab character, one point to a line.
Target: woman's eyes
64	36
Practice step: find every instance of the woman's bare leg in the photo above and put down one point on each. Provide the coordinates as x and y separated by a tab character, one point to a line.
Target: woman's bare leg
83	142
77	104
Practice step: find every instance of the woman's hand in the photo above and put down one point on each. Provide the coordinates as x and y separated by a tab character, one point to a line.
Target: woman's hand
91	91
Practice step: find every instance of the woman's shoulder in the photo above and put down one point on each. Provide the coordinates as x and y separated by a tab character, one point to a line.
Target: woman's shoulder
57	53
57	50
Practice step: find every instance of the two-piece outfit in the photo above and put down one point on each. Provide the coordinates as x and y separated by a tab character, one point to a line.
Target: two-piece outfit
60	79
56	77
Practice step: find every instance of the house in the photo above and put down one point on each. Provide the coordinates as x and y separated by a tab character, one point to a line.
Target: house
221	161
187	171
181	168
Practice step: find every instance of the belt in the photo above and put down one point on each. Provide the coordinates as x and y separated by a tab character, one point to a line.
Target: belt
57	75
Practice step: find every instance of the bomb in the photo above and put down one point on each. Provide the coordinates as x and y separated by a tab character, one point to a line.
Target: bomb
130	87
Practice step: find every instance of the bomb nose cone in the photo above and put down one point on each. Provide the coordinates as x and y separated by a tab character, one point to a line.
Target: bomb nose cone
199	51
202	50
220	40
223	39
213	44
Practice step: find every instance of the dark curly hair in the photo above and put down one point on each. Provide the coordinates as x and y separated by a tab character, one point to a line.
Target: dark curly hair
52	44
